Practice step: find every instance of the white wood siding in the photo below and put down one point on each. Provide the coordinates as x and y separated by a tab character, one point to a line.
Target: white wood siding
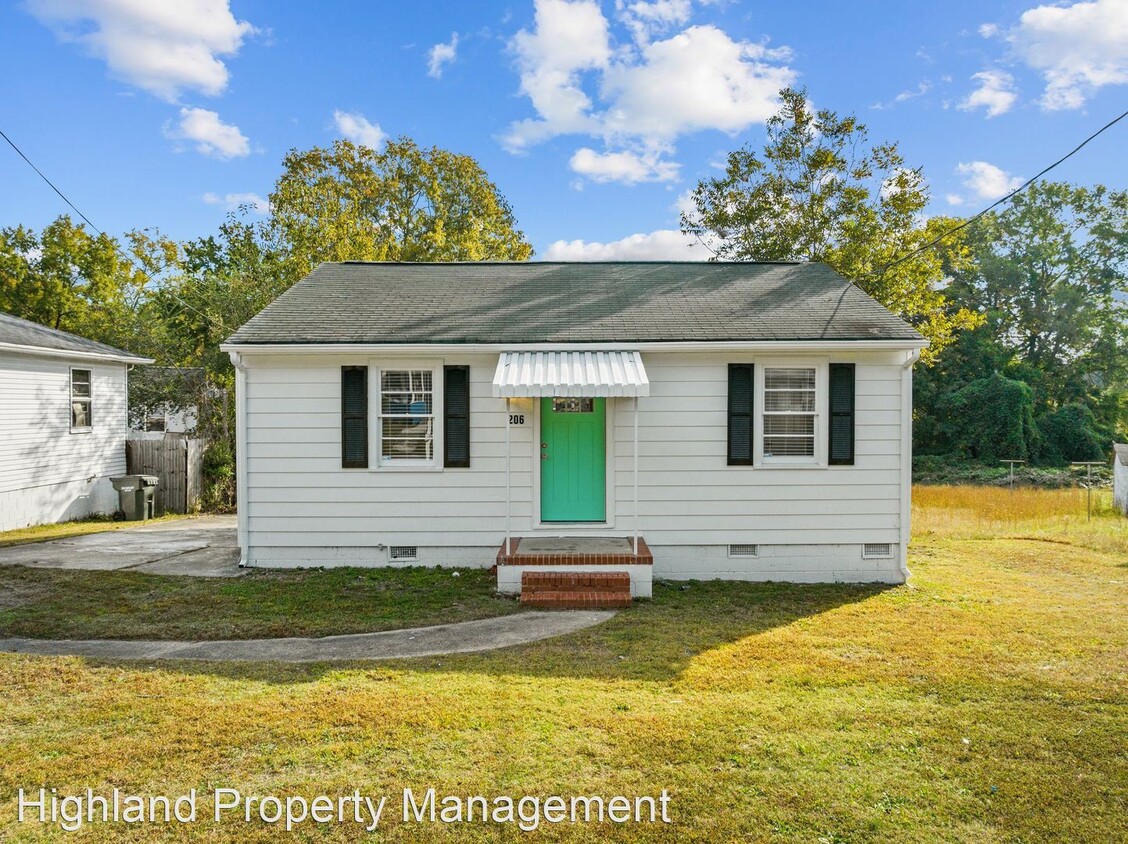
48	473
300	506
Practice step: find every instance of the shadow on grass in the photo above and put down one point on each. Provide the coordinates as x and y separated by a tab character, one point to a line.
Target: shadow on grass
652	641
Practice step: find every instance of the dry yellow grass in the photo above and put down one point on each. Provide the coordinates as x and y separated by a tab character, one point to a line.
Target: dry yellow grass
985	702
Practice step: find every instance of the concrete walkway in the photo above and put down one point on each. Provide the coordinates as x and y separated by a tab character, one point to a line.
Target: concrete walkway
465	637
203	546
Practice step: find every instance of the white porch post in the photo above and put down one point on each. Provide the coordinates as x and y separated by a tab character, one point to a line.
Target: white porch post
508	494
636	476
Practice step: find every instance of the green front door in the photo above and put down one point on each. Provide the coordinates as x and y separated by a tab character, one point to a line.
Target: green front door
573	460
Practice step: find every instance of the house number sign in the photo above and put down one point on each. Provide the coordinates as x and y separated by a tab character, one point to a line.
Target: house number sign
516	418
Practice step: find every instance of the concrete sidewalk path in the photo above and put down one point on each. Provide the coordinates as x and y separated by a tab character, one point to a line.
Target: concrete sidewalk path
465	637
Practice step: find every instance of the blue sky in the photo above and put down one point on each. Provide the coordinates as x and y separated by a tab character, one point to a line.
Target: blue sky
594	119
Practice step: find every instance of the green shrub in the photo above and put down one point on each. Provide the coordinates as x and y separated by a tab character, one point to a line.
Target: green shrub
1072	433
219	476
991	419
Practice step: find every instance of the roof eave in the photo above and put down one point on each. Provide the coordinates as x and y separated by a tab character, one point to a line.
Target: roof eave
44	351
886	344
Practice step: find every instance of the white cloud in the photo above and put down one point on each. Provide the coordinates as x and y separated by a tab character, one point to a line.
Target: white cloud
626	167
647	19
661	245
357	128
954	199
995	93
988	30
210	135
698	79
922	88
1078	49
642	96
235	201
441	54
568	38
987	180
162	48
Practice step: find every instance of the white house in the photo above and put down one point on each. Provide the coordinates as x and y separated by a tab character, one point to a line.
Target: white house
676	420
62	423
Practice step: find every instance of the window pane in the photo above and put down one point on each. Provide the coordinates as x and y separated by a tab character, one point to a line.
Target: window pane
406	393
789	379
573	405
80	383
80	413
410	438
789	446
801	425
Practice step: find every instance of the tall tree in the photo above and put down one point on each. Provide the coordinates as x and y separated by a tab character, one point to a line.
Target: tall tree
819	191
401	203
1050	271
65	277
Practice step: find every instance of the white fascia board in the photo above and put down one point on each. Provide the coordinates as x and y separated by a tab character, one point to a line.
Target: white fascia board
672	346
65	353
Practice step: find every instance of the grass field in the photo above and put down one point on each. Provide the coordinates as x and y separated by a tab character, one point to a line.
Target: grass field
985	702
65	604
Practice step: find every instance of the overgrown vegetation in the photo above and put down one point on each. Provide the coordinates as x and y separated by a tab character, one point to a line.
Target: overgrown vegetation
986	701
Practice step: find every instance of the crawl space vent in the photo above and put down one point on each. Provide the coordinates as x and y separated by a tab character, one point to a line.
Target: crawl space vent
873	550
402	553
743	550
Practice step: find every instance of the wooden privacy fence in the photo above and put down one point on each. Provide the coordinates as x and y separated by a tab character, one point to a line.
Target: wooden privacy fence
177	462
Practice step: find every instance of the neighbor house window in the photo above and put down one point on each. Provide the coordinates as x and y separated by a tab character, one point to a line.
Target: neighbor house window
82	400
407	416
789	412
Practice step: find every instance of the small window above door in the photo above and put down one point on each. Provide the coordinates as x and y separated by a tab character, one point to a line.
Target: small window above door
570	405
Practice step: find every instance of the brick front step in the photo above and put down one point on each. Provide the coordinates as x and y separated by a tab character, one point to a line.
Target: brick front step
611	581
575	590
577	599
522	557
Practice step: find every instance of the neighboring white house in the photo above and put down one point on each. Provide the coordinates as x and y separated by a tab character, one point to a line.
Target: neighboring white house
62	423
1120	477
747	420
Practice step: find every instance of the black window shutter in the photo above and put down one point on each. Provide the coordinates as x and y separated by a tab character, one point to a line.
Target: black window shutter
354	417
456	417
840	451
741	399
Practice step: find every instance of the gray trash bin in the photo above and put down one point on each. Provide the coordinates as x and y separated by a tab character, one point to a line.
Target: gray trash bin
136	493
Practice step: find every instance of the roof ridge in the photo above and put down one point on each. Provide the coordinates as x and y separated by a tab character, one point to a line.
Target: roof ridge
568	263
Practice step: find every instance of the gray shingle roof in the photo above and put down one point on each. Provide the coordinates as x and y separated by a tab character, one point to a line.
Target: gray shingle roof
544	302
21	332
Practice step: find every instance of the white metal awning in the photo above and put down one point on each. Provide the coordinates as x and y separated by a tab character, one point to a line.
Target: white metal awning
587	374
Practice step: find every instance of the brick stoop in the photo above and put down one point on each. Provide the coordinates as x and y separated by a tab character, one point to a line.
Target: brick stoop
582	590
517	557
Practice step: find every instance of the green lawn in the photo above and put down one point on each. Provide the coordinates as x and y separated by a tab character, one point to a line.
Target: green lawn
58	604
985	702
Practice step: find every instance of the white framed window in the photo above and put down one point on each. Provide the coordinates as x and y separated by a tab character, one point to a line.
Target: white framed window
81	400
789	426
790	412
406	415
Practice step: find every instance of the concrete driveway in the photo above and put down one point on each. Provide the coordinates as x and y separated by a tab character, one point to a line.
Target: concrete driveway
205	546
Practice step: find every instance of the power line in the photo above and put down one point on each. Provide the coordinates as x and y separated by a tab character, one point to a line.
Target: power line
117	248
1006	198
